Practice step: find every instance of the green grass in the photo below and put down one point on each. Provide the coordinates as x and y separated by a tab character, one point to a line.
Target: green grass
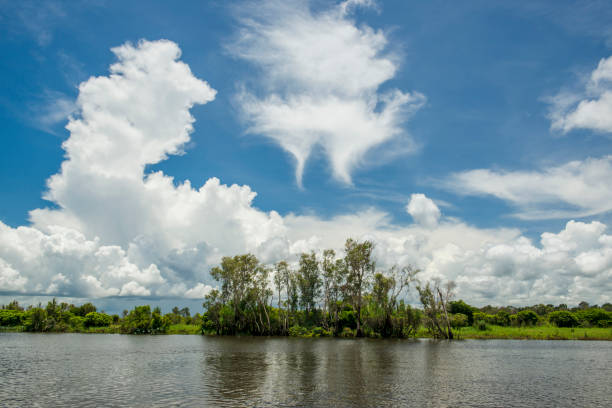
492	332
184	329
535	333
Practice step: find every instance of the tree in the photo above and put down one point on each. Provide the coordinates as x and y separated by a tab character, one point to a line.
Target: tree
459	306
95	319
563	318
360	269
236	276
282	277
309	281
435	300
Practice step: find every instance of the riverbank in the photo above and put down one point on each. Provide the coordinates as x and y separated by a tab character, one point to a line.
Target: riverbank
492	332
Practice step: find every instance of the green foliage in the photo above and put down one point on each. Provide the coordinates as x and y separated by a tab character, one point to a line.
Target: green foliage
297	331
459	306
594	317
502	318
563	318
459	320
36	320
526	318
95	319
11	317
142	321
480	325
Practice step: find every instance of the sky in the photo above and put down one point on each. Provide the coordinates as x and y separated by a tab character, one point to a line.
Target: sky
143	141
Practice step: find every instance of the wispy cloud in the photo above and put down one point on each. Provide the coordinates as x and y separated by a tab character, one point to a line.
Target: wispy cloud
590	108
575	189
319	83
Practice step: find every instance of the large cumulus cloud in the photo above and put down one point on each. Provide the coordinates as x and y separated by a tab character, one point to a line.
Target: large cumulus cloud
116	230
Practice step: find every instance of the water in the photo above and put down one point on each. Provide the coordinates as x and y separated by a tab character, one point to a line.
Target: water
113	370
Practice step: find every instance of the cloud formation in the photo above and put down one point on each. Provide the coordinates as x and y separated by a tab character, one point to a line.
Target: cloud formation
423	210
320	79
118	231
575	189
591	109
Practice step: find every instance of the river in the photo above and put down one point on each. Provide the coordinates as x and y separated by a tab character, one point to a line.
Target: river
53	370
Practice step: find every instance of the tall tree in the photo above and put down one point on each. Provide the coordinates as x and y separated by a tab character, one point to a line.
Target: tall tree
309	281
360	269
435	298
236	275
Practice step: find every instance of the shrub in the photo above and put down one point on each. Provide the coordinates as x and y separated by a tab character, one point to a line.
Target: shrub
347	332
563	318
36	320
11	317
459	320
95	319
297	331
527	318
502	318
480	325
461	307
594	317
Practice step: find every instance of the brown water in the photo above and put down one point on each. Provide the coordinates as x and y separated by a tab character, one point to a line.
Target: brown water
74	370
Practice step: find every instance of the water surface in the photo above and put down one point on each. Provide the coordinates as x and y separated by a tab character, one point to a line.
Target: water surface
118	370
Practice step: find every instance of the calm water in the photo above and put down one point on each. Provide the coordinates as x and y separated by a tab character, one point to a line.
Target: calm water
113	370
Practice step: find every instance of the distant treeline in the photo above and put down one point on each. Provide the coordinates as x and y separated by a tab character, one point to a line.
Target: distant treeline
326	296
64	317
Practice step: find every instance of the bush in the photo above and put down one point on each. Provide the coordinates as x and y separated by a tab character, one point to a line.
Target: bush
502	318
480	325
459	320
297	331
563	318
594	317
11	317
138	321
526	318
95	319
461	307
36	320
347	332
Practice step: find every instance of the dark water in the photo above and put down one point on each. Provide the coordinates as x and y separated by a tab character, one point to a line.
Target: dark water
113	370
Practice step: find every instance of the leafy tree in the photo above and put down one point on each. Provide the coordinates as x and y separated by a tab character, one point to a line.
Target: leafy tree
36	319
309	281
459	306
459	320
526	318
563	318
435	300
360	269
95	319
11	317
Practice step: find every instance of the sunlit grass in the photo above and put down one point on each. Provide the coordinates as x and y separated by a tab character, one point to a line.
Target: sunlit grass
536	333
184	329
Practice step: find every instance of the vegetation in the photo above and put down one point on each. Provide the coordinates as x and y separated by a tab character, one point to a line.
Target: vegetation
63	317
324	296
330	296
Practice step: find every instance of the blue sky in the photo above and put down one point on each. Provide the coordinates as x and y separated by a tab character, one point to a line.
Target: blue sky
488	86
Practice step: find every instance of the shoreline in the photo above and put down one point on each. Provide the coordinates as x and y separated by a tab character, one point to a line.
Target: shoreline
467	333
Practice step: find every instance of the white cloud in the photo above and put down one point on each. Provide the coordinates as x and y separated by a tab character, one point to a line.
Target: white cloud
321	74
590	109
423	210
574	189
10	279
117	231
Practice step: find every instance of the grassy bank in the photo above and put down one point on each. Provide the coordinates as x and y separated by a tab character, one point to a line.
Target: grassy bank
536	333
492	332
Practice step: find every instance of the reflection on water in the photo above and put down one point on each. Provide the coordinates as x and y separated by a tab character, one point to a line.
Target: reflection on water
115	370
